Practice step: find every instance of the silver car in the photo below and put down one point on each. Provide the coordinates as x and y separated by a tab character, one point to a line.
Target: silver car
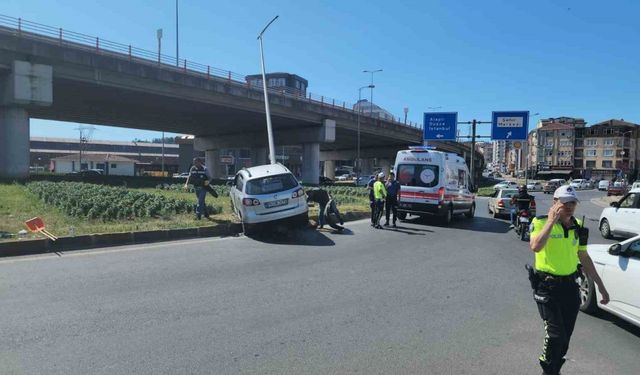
500	202
268	194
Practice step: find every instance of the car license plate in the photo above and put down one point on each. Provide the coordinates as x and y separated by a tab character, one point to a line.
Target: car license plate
278	203
524	220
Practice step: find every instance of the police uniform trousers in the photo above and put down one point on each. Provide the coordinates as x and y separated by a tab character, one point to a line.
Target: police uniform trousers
558	300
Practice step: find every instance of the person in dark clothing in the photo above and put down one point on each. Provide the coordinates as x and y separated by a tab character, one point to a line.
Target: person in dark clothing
199	177
393	196
520	202
372	200
321	197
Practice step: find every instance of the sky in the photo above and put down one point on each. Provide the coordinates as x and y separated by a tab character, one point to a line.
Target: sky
575	58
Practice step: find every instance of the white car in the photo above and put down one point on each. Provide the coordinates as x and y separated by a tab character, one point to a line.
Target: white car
534	186
506	185
579	183
636	185
603	185
622	217
619	267
343	177
268	194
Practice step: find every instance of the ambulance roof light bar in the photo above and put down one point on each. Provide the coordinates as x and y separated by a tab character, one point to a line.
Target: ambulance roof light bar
422	148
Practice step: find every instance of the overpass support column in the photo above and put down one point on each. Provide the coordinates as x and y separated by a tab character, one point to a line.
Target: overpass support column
311	163
27	85
367	167
330	169
258	156
14	142
212	162
385	164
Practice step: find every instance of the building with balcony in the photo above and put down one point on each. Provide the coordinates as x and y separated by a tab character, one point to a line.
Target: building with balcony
608	149
551	145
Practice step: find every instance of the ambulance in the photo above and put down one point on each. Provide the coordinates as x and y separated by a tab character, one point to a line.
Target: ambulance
433	183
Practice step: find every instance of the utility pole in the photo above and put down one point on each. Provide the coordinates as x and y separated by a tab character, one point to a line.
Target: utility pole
177	50
162	154
473	137
159	34
272	151
371	86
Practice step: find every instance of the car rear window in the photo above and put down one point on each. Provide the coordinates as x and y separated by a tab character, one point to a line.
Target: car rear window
271	184
418	175
509	194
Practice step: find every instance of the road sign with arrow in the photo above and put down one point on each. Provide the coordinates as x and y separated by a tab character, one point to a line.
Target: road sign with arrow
440	126
512	125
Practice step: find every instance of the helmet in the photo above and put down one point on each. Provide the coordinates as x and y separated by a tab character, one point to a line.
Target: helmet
522	188
381	175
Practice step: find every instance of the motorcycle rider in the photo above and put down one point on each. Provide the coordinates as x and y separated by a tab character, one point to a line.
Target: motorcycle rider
521	202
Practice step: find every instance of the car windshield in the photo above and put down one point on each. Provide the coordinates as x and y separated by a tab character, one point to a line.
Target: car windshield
509	193
271	184
418	175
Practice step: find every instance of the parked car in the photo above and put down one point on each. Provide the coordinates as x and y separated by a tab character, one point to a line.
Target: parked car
617	188
603	185
268	194
500	202
619	267
182	176
362	180
505	185
325	180
343	177
550	186
621	219
579	183
534	186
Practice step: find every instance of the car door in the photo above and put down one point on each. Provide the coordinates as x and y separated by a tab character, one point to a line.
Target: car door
627	215
622	277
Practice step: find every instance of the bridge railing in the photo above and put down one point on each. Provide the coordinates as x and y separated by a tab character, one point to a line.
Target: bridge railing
34	30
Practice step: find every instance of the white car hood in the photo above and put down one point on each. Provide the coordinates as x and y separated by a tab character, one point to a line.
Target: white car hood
598	253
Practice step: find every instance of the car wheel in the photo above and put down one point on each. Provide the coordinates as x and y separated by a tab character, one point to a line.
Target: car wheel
472	211
605	229
588	295
402	215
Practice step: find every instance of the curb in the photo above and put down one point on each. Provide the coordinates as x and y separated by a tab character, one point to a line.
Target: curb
91	241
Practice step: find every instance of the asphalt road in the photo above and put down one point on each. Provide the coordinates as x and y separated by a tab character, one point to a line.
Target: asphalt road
422	299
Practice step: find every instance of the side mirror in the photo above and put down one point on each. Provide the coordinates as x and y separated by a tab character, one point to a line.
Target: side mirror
614	204
615	249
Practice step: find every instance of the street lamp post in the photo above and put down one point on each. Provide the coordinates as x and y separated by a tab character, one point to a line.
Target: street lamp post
406	111
371	86
358	161
272	152
526	167
159	35
177	39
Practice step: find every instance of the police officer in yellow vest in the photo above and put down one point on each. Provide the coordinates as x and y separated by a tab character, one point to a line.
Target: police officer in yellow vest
560	244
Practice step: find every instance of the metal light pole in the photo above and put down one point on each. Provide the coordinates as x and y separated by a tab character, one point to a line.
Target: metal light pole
159	34
272	152
526	142
371	86
406	111
358	161
177	49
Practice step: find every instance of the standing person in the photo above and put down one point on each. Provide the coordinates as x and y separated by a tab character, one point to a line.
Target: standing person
379	195
372	199
559	241
393	196
321	197
199	177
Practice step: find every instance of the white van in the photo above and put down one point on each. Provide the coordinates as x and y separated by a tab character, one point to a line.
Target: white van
433	183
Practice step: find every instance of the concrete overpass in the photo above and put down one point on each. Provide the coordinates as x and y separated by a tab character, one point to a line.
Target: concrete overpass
50	73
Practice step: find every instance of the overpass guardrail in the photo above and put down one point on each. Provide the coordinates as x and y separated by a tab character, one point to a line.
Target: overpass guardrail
60	36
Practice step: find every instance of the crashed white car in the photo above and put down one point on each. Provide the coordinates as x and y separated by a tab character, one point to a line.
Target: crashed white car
619	267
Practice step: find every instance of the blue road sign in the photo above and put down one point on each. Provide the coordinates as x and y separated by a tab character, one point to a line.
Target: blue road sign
508	126
440	126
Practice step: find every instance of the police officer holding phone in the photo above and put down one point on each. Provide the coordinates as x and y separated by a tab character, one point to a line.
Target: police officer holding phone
559	242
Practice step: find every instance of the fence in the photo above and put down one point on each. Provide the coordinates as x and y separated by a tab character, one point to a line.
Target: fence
33	30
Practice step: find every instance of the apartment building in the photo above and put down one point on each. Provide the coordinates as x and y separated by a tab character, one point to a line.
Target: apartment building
608	149
551	144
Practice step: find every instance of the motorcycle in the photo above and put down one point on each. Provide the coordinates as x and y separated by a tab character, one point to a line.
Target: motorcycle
523	220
